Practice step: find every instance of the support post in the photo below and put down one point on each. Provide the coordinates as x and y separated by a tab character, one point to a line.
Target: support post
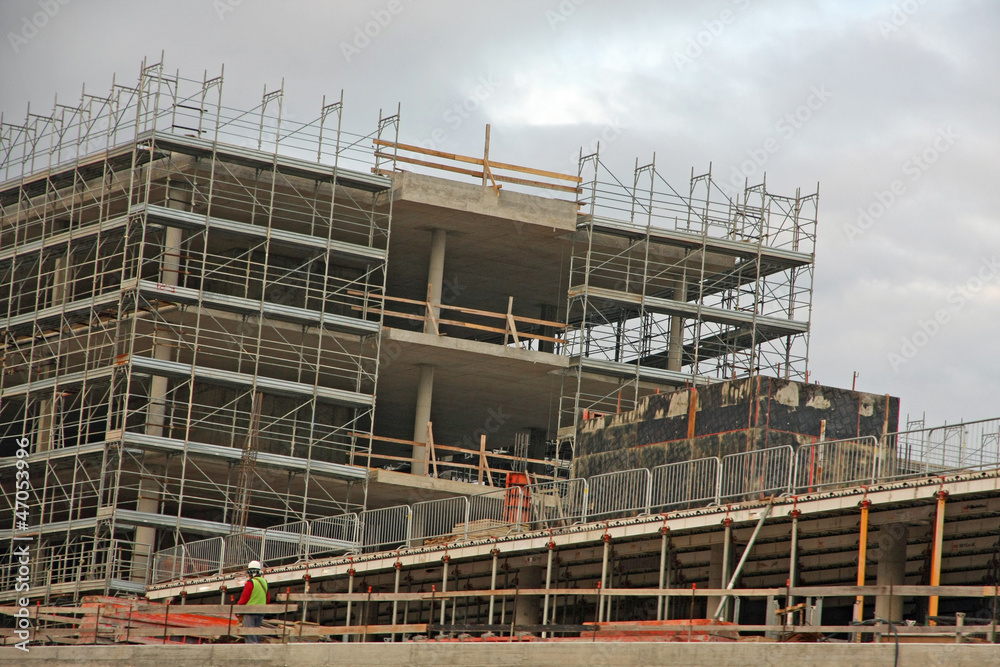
444	587
493	582
347	618
932	603
892	539
425	392
793	555
395	601
859	602
548	585
604	575
663	570
723	605
435	279
746	553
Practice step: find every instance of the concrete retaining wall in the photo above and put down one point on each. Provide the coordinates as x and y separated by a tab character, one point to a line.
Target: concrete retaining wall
578	654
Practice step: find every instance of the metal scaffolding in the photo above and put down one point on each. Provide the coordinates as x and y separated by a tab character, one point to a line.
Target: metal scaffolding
164	259
672	289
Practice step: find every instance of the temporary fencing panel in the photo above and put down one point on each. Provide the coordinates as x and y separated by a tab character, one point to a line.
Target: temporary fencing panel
619	494
685	484
167	564
442	520
755	474
497	512
285	542
334	534
557	503
385	528
837	464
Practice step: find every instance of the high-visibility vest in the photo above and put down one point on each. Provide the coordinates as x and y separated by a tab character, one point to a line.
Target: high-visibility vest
259	593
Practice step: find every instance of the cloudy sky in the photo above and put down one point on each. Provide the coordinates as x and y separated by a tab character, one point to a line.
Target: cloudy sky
893	107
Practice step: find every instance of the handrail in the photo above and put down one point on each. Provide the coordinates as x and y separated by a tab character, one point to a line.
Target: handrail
486	165
577	500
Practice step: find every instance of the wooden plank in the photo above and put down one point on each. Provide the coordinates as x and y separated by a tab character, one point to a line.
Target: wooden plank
461	309
77	611
539	184
430	448
811	591
432	165
211	609
421	628
519	318
478	161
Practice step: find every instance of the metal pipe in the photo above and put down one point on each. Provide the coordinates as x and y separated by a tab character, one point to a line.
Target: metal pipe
604	575
548	585
444	588
793	555
663	572
395	603
726	539
932	603
859	603
493	583
350	589
746	554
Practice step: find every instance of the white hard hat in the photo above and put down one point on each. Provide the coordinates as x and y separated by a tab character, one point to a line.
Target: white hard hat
254	565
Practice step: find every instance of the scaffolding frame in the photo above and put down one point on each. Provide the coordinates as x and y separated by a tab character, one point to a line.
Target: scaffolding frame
672	289
164	258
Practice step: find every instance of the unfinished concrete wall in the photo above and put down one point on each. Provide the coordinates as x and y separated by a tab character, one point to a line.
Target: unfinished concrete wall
527	654
726	418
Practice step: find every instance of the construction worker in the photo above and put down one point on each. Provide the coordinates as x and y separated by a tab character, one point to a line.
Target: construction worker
254	593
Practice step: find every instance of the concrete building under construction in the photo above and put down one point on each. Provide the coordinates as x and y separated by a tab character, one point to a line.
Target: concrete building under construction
378	367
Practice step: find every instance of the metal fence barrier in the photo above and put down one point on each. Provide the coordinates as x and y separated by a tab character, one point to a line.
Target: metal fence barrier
385	528
285	542
755	474
941	449
202	557
332	534
556	504
167	564
498	512
685	484
837	464
436	519
619	494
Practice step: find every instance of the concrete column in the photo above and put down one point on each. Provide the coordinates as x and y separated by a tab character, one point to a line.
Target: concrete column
891	570
151	484
43	431
425	391
675	352
435	275
547	312
715	574
527	611
60	281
